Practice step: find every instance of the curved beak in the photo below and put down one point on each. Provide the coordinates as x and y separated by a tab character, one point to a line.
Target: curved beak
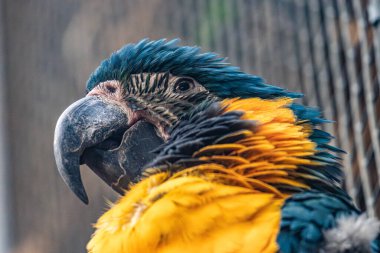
97	132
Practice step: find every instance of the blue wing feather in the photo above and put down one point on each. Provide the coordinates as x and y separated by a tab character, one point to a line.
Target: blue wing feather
306	215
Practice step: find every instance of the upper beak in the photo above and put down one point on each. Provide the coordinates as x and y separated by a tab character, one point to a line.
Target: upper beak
94	131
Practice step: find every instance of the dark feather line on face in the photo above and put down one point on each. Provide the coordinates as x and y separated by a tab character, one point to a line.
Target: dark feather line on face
140	84
154	94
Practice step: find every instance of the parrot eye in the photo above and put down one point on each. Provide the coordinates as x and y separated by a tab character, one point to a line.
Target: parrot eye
183	85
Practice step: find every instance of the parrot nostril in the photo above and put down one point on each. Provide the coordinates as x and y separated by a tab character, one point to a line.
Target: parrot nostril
111	88
105	88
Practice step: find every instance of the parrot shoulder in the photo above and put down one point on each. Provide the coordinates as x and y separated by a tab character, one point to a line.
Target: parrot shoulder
313	221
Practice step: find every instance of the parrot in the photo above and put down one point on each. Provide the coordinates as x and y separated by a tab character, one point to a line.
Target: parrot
206	158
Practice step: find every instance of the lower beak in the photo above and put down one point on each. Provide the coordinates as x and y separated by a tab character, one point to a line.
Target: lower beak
97	132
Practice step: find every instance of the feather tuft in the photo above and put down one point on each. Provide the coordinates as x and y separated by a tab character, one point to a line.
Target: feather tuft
352	234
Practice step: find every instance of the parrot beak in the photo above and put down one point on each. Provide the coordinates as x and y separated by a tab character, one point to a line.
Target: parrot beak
97	132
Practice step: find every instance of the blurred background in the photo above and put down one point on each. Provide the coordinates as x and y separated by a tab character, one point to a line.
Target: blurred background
327	49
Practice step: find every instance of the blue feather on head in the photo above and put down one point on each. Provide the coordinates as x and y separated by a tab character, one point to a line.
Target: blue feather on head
210	70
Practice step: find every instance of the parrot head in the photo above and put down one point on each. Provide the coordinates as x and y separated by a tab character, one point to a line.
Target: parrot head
133	99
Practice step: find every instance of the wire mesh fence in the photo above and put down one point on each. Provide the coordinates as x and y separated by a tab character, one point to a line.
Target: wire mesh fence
327	49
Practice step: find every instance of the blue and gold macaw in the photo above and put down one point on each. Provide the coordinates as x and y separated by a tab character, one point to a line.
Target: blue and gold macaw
207	159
